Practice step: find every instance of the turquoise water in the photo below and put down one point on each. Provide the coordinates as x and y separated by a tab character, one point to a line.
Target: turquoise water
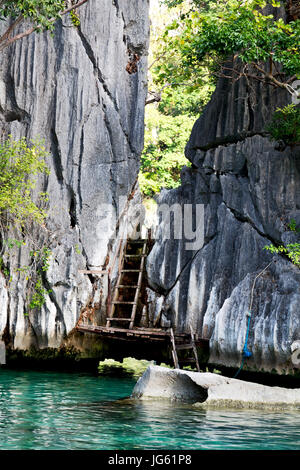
50	410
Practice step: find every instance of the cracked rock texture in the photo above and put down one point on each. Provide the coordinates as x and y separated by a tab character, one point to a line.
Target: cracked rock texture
74	91
250	189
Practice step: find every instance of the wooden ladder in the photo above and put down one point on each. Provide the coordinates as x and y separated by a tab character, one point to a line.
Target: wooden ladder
120	284
180	346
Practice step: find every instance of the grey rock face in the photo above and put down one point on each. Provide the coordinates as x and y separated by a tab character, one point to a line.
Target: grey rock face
75	91
251	191
208	390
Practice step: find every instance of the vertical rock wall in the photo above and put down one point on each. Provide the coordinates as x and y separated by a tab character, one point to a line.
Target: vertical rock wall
250	188
83	91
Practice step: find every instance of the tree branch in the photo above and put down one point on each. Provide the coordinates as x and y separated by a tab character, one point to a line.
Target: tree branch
155	96
261	78
11	28
5	40
157	59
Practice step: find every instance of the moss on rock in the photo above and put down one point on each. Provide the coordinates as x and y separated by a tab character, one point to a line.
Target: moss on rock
129	367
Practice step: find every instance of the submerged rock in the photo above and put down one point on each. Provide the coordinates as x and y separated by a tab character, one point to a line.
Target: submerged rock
211	390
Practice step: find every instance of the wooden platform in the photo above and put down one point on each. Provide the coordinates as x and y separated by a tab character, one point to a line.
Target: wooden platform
135	334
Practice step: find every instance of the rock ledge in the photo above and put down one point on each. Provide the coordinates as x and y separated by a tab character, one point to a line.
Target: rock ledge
207	390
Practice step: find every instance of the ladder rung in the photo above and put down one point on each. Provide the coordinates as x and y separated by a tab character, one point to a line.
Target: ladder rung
118	319
131	271
93	271
136	241
118	302
135	256
184	346
129	287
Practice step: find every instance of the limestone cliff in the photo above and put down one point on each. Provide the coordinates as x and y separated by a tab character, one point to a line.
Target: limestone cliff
250	188
83	91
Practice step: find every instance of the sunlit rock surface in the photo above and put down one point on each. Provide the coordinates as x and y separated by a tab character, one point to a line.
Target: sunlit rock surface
74	91
211	390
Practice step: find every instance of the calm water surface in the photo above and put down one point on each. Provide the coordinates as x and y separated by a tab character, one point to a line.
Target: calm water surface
50	410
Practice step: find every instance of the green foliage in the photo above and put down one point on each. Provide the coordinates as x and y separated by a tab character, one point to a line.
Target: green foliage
190	368
188	51
75	18
39	12
33	273
41	258
292	250
19	166
129	367
77	249
163	155
186	100
38	296
188	84
169	123
3	268
285	124
11	243
208	36
28	16
293	226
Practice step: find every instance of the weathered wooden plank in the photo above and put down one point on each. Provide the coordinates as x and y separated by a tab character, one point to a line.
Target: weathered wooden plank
154	334
174	353
135	256
184	346
118	319
122	330
92	271
195	349
127	286
130	271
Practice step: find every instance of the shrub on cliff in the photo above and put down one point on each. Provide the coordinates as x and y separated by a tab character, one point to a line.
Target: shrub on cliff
291	250
285	125
264	48
20	163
